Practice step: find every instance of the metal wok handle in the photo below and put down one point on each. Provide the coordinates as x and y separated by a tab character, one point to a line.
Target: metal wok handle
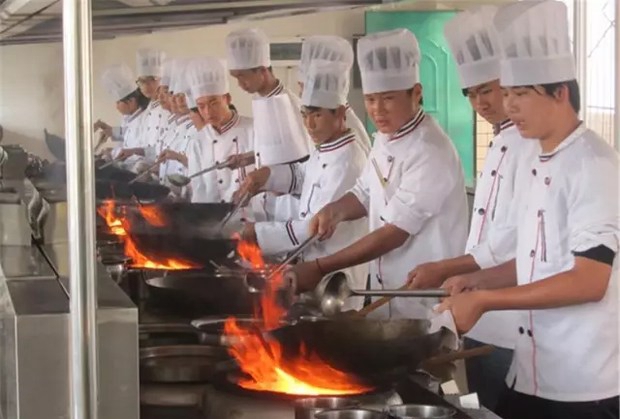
405	293
217	166
307	243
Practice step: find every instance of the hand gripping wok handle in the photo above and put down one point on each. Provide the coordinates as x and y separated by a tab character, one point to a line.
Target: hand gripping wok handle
298	251
403	293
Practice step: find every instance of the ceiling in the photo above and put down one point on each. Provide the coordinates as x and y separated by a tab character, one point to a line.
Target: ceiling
37	21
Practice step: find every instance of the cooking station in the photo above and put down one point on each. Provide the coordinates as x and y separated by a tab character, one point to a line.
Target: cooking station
155	358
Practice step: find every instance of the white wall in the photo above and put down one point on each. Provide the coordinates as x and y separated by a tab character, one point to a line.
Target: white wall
31	76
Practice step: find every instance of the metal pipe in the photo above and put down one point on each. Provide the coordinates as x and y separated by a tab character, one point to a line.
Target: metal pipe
580	40
77	44
617	81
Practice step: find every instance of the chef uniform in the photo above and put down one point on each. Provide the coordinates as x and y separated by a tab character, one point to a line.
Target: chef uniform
492	235
329	173
181	132
209	77
413	179
119	82
336	49
149	64
248	49
567	354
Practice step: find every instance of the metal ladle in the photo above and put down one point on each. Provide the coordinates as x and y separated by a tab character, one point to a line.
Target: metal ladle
336	290
180	180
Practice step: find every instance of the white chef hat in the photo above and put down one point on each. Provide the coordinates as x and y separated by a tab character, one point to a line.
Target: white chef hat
388	61
474	44
324	47
208	76
119	81
166	72
535	43
326	84
247	48
178	83
149	62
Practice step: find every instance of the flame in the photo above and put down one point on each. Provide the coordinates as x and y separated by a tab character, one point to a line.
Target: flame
264	361
152	215
120	226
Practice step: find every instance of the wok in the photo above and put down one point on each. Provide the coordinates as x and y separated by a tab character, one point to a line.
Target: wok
115	189
377	351
187	214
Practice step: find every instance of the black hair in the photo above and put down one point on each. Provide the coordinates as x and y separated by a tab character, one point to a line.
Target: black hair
465	92
574	96
232	107
141	100
317	108
255	69
410	92
194	109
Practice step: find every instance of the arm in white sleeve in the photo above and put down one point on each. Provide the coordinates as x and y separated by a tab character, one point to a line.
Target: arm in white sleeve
286	178
117	134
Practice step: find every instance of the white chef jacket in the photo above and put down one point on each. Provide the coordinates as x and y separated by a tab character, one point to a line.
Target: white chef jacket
357	126
178	139
493	229
326	176
131	132
155	121
413	180
236	137
569	353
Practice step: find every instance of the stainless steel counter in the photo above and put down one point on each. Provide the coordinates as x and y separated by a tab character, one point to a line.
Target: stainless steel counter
34	338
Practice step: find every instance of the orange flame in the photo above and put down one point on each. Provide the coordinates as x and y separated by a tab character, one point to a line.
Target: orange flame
264	361
152	215
120	226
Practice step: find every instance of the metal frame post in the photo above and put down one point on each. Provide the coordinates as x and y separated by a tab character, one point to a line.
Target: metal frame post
77	48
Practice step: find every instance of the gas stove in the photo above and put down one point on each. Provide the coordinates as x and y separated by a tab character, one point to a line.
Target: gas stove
213	401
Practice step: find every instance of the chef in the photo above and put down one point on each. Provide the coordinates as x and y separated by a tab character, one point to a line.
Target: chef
173	150
412	188
336	49
131	103
149	70
249	63
225	133
332	169
564	279
492	234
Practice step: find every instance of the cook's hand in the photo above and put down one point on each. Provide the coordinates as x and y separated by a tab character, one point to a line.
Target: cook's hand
466	309
126	153
460	283
252	184
172	155
324	223
237	161
248	233
307	275
107	129
426	275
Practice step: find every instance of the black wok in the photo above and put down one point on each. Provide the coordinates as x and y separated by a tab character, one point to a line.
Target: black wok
111	189
184	214
376	351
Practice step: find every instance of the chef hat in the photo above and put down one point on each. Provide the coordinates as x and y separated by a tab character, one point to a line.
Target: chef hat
388	61
178	82
149	62
118	81
208	76
247	48
324	47
535	43
166	72
326	85
474	44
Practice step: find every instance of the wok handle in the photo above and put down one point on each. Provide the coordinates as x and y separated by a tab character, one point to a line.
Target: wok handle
438	292
378	303
465	354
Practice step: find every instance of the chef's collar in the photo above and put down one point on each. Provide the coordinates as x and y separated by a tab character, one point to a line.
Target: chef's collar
410	126
505	124
182	119
154	104
228	125
277	90
340	142
135	115
578	132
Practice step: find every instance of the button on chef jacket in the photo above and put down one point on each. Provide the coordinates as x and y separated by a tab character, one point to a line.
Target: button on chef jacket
413	180
569	353
329	173
493	232
178	139
215	147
